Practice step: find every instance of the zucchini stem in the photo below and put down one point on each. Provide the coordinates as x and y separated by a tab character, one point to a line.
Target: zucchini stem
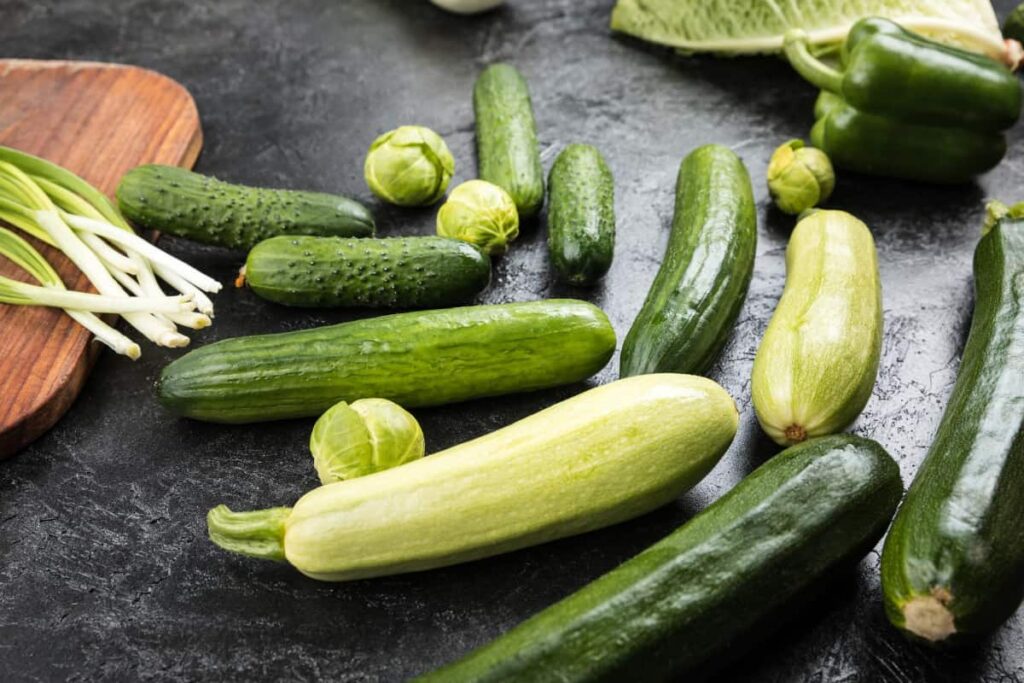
259	533
928	617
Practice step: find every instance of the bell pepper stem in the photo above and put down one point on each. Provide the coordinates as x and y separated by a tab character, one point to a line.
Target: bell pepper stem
815	71
259	533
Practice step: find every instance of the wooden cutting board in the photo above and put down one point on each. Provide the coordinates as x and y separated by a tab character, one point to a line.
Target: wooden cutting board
98	120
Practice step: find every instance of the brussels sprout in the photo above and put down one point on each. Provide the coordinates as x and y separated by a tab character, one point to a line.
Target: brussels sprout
367	436
799	177
480	213
409	166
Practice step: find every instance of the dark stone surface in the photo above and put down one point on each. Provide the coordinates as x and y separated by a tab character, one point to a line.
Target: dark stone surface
105	570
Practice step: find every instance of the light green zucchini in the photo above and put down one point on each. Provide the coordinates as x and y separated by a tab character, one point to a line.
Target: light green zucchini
603	456
817	363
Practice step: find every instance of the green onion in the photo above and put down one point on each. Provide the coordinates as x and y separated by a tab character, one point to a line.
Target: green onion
60	209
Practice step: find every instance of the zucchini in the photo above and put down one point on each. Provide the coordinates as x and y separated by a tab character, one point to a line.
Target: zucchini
186	204
581	215
400	272
685	605
818	360
953	564
506	137
698	292
415	359
598	458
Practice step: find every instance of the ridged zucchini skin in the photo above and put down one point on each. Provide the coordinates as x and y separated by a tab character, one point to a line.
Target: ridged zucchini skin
699	290
818	360
415	359
953	563
598	458
397	272
197	207
686	605
506	137
581	215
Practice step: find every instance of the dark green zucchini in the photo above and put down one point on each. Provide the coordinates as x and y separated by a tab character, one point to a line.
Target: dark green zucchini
398	272
953	564
581	215
506	137
414	359
186	204
698	292
684	606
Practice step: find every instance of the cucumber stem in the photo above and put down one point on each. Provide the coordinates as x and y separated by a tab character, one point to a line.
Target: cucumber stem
795	433
259	533
815	71
927	616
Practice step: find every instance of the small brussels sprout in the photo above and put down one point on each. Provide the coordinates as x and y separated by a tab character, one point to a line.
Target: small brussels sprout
480	213
799	177
366	436
409	166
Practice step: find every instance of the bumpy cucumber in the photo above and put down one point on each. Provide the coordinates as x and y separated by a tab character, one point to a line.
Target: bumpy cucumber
953	564
598	458
818	361
506	137
686	605
414	359
400	272
581	215
186	204
698	292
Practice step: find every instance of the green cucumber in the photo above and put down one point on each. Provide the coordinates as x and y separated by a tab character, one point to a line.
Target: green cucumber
683	606
414	359
581	215
603	456
506	137
953	564
186	204
698	292
398	272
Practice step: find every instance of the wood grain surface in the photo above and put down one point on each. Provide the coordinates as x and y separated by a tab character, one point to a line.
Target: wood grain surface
98	120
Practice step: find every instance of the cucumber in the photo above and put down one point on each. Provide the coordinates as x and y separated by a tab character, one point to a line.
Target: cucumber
581	215
506	137
684	606
818	360
698	292
953	564
415	359
186	204
400	272
598	458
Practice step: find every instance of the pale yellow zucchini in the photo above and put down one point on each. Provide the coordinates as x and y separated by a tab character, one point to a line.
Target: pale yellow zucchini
606	455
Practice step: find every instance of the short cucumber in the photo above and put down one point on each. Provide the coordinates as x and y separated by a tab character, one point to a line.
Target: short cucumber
608	454
953	564
506	137
399	272
581	215
817	363
186	204
686	605
699	290
414	359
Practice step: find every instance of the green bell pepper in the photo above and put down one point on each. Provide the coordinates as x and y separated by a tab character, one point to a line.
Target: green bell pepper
907	107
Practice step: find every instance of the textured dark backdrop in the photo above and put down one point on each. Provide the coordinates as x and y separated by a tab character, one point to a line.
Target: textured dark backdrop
105	570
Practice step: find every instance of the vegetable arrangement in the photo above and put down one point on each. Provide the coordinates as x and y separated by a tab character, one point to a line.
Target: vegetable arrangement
898	104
